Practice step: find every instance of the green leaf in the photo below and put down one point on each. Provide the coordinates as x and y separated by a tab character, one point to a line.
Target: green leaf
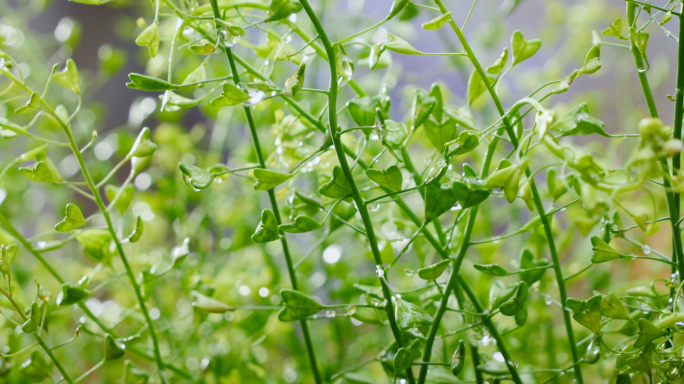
203	49
423	104
149	38
36	367
376	59
297	306
133	375
362	109
500	293
71	294
393	135
500	63
124	201
615	29
68	78
267	179
112	349
195	177
39	173
267	230
137	231
397	7
295	82
603	252
231	95
458	359
437	23
523	49
301	224
206	304
640	39
440	134
409	315
438	110
647	333
592	62
527	261
172	102
492	269
390	178
513	307
590	317
95	244
476	86
399	45
501	175
436	172
434	271
403	359
31	105
73	219
338	187
612	307
438	200
468	196
143	145
578	121
465	143
148	83
280	9
198	75
564	84
642	361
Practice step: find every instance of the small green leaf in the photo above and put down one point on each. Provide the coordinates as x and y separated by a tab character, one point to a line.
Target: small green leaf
148	83
203	49
95	244
500	293
423	103
71	294
647	333
40	173
143	145
362	109
642	361
434	271
68	78
133	375
612	307
267	230
280	9
403	359
492	269
31	105
112	349
149	38
578	121
338	187
301	224
393	135
198	75
511	308
468	196
592	62
465	143
458	359
476	86
436	172
73	219
297	306
376	59
399	45
231	95
438	200
500	63
124	201
172	102
615	29
527	261
501	175
603	252
440	134
409	315
397	7
437	23
295	82
390	178
206	304
640	39
564	84
137	231
36	367
195	177
267	179
523	49
590	317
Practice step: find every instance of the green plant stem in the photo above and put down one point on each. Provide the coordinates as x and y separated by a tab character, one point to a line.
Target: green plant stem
678	250
356	195
274	205
535	194
40	340
46	264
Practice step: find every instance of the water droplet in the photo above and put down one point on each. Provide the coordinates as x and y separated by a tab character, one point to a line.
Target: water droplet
374	207
330	313
456	207
409	272
379	272
646	249
562	209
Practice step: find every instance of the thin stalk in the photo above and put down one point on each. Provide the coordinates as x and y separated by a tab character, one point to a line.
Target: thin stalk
356	195
535	194
678	250
274	204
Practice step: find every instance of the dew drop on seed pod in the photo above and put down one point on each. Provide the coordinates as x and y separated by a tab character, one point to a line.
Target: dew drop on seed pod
646	249
374	207
330	314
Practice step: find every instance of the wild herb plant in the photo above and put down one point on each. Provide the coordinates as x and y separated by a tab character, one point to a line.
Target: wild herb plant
333	252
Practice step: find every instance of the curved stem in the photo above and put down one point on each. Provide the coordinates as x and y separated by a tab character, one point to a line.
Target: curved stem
356	195
274	204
